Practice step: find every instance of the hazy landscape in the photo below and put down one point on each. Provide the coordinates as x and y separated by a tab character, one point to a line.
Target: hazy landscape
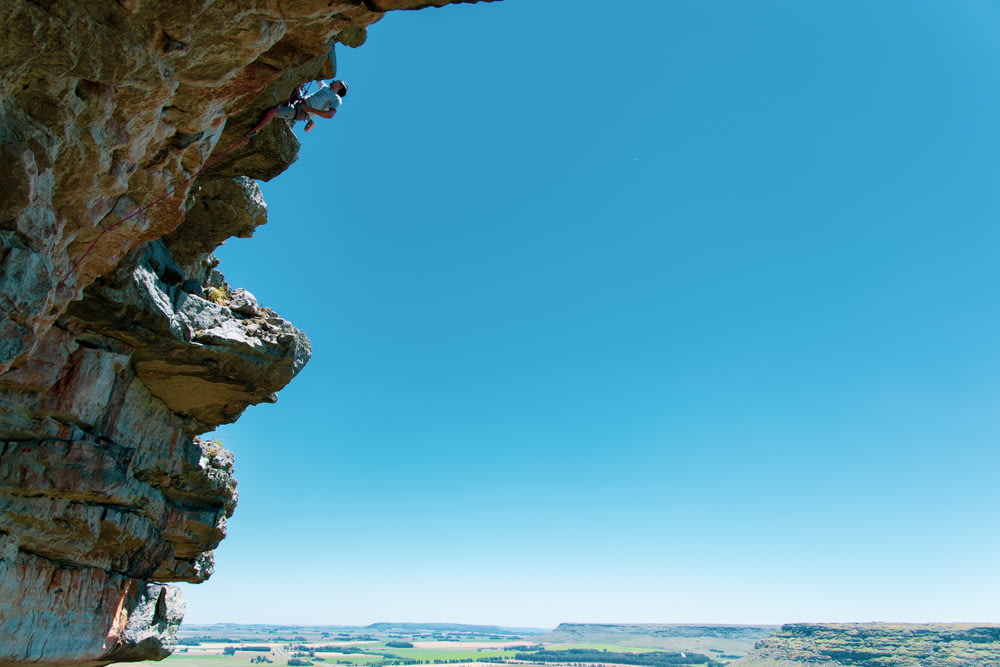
383	644
586	645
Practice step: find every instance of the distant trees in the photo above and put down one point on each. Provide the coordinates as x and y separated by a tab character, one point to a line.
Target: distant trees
231	650
396	643
328	648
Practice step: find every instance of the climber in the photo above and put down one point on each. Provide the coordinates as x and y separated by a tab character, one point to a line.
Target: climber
323	103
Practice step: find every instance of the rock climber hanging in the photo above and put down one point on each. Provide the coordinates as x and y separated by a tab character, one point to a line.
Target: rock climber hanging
301	106
323	103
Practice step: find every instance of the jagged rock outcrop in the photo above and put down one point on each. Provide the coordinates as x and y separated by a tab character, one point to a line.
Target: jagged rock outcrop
878	645
121	169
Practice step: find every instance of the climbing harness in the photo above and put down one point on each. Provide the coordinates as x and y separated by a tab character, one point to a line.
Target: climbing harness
296	100
328	70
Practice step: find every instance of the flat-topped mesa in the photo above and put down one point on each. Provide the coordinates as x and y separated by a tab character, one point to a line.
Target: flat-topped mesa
618	632
119	341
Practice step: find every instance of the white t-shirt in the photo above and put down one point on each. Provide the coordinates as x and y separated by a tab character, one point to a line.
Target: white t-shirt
324	99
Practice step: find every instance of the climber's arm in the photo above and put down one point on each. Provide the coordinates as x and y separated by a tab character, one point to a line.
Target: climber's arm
328	113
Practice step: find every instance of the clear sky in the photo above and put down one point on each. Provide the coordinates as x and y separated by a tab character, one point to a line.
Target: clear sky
679	311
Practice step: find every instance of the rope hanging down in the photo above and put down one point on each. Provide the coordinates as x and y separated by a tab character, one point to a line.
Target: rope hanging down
104	230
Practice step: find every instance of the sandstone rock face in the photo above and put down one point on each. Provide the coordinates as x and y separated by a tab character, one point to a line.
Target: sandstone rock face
122	166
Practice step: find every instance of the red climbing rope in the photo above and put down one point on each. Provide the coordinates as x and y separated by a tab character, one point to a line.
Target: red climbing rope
104	230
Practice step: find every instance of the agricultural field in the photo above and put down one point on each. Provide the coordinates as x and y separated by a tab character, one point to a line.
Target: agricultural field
590	645
237	645
385	645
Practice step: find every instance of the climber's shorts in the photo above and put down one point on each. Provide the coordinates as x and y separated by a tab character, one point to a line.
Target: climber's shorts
292	113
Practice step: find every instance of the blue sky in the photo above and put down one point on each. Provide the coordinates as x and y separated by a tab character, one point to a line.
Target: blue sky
685	312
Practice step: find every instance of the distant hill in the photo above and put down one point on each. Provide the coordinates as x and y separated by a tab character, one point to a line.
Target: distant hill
617	631
730	640
374	628
455	628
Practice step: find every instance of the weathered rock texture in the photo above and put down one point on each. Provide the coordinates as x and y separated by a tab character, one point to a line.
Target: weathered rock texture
119	342
878	645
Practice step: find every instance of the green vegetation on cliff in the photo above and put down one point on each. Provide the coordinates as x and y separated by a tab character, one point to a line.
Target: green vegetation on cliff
878	645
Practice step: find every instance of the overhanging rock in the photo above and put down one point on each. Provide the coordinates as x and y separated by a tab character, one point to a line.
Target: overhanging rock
120	343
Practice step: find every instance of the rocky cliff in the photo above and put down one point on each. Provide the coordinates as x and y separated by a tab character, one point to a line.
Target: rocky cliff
123	165
878	645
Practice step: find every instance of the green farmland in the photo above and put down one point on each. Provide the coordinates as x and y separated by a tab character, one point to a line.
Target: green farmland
398	646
